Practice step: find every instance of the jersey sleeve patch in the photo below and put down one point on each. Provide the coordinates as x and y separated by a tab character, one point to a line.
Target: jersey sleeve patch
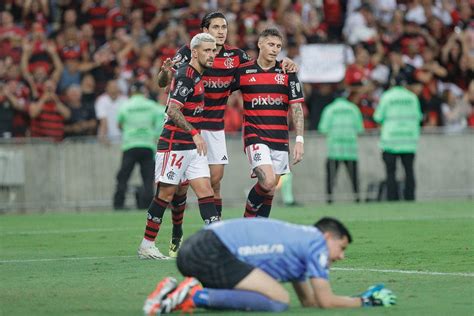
296	90
182	89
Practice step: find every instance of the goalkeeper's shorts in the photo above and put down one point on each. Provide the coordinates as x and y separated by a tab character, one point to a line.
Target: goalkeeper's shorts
206	258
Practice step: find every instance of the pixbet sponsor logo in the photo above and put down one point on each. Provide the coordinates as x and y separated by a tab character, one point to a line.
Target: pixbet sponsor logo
268	100
209	83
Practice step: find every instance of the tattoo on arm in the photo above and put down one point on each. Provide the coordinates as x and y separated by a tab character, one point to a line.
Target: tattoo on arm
163	79
298	118
260	174
178	118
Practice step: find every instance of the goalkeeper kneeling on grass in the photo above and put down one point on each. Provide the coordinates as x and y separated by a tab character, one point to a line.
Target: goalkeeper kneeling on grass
241	263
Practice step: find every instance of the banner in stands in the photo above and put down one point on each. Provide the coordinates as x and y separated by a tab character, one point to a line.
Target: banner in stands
322	63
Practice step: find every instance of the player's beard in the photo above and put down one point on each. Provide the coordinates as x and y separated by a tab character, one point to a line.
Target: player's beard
206	65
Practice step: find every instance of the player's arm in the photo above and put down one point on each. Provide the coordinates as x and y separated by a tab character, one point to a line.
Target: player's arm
166	73
298	123
175	114
295	96
325	298
288	65
305	294
169	66
182	89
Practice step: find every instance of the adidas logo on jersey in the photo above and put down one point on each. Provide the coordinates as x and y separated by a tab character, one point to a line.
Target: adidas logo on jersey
224	158
253	79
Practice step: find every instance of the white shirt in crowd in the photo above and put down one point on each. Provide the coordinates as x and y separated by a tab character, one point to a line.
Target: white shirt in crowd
107	108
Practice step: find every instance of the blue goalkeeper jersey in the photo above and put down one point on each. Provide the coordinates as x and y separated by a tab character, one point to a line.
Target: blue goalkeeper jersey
287	252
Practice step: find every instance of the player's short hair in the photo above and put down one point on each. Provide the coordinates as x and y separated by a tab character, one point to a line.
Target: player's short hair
271	32
206	20
330	224
200	38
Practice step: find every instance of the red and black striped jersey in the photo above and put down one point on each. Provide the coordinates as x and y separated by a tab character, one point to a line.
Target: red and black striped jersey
49	123
217	82
267	95
187	90
96	15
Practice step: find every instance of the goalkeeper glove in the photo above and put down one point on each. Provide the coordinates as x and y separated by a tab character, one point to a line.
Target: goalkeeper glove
378	295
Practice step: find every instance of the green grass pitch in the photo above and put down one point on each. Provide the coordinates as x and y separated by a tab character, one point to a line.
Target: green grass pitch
85	263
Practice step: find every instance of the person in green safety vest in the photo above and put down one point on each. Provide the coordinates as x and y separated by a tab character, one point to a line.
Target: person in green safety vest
341	122
399	114
141	121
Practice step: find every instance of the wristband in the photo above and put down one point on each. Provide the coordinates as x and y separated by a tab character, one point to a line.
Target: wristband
300	139
194	132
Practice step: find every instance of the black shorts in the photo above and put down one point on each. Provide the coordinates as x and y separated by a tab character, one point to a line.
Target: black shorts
206	258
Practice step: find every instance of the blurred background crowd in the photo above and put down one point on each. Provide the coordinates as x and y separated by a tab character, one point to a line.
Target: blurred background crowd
65	66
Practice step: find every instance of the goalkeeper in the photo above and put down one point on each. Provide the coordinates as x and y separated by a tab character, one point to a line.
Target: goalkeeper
241	263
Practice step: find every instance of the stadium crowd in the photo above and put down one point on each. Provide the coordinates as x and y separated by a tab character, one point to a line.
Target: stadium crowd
65	66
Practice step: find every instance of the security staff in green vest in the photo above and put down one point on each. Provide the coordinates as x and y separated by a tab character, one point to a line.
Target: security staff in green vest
341	121
399	113
141	121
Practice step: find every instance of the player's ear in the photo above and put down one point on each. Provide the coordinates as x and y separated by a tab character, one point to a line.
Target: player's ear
194	53
327	235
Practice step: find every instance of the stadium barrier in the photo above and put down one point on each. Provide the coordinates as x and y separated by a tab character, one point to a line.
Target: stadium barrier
38	175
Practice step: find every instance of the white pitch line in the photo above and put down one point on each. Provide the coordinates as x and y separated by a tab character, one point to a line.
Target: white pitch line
64	259
468	274
465	274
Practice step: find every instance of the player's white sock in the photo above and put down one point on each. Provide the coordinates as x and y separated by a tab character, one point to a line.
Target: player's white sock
147	243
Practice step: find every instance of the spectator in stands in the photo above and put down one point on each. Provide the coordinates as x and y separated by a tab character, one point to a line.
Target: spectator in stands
82	121
400	115
48	114
319	97
8	105
360	84
11	37
334	13
118	17
20	90
87	42
455	59
35	11
429	75
95	12
359	26
74	66
106	108
35	61
89	94
121	39
341	122
455	109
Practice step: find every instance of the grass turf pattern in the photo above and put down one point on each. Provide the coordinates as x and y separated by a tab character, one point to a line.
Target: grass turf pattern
85	263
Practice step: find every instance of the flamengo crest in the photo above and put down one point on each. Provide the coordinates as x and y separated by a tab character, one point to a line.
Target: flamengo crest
280	79
229	63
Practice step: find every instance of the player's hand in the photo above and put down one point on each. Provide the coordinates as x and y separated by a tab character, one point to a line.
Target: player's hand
200	144
298	152
378	295
167	65
289	65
